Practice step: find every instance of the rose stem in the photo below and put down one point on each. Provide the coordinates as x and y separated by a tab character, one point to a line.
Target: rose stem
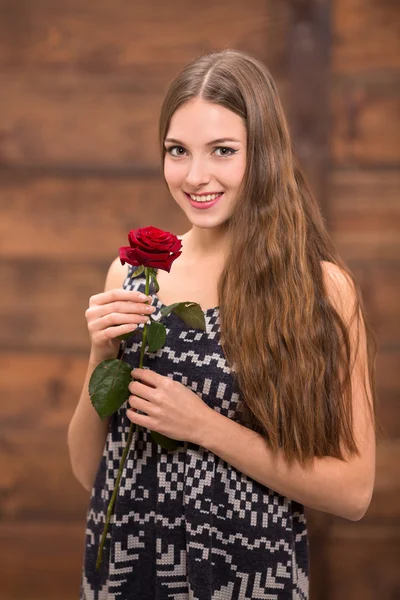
127	446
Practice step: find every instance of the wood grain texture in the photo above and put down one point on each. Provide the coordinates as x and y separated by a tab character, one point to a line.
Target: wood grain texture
110	37
37	484
388	385
363	562
364	213
309	77
385	506
76	121
42	560
365	124
64	218
367	36
364	220
40	392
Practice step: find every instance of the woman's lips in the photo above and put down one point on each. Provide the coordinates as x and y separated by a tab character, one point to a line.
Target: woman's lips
204	205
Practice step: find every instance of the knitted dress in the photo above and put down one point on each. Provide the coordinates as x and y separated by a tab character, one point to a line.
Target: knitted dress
186	524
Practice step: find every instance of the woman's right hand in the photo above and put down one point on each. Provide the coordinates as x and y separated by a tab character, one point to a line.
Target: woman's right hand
111	314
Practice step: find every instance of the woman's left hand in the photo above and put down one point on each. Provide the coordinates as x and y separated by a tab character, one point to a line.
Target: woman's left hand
171	408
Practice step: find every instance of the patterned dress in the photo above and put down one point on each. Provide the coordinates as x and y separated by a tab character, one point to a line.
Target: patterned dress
186	524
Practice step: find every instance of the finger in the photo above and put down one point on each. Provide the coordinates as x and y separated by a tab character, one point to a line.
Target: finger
148	376
141	420
125	308
143	390
118	294
140	404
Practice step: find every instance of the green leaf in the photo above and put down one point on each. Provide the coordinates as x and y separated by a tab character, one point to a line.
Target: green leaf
156	336
108	386
138	271
164	441
190	313
154	278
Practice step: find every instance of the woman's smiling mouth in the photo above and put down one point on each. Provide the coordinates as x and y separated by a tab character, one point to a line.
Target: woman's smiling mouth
204	201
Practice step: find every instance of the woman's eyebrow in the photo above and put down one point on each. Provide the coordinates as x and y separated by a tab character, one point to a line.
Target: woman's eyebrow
219	141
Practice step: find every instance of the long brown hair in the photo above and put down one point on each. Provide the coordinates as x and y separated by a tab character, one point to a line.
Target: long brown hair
286	344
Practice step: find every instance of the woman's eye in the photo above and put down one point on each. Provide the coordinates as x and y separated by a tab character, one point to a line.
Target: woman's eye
230	150
174	148
229	153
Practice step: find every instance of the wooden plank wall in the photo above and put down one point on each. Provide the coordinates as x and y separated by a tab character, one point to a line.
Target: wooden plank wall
80	90
364	218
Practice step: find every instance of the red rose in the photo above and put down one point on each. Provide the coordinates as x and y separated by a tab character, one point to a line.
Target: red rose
151	247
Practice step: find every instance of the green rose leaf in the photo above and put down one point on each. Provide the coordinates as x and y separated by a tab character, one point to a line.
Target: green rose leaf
190	313
126	336
156	336
154	278
138	271
108	386
164	441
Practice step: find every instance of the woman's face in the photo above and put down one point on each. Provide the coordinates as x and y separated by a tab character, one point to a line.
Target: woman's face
196	164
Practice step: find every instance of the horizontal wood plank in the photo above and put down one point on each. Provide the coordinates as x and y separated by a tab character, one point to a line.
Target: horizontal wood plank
365	127
81	218
40	390
36	478
388	391
364	213
362	562
41	561
129	35
365	36
77	120
379	282
385	506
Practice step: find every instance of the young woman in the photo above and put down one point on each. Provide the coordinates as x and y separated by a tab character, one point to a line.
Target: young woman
275	401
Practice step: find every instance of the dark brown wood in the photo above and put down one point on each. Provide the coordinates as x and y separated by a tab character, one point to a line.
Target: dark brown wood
385	506
41	560
366	129
379	283
364	213
36	480
366	36
388	384
364	220
40	390
80	218
309	77
363	562
77	121
136	37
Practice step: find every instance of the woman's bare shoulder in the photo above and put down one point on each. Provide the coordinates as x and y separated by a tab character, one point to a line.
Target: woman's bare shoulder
116	275
339	288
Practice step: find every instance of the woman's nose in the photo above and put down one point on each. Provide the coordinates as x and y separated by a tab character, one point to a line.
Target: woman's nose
197	174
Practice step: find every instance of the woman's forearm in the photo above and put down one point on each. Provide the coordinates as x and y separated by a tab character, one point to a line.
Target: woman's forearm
87	434
331	485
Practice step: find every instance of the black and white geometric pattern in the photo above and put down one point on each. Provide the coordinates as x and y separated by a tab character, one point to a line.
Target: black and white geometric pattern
187	525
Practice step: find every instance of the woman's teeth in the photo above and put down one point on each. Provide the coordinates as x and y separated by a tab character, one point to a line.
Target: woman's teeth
205	198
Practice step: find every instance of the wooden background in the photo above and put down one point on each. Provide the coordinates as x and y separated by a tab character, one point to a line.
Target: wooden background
81	85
